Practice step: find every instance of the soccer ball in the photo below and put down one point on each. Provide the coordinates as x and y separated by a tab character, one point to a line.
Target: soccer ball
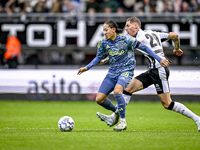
66	123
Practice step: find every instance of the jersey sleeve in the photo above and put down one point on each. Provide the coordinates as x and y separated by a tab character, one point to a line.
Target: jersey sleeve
164	36
138	45
131	41
99	56
147	50
95	61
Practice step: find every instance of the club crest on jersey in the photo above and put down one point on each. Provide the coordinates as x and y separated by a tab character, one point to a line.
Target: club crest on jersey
121	45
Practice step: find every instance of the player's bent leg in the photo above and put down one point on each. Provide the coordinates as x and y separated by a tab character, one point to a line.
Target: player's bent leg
102	100
180	108
165	99
101	97
134	85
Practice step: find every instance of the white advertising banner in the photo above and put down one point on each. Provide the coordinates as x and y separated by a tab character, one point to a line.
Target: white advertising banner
67	81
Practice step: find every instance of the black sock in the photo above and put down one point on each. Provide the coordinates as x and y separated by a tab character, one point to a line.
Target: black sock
127	93
171	106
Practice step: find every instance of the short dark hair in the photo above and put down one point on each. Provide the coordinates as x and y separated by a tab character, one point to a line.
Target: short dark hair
113	24
134	19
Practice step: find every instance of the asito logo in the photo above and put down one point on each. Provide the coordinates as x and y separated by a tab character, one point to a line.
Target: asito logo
47	90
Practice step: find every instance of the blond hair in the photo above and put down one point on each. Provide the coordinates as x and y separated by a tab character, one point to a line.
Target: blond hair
134	19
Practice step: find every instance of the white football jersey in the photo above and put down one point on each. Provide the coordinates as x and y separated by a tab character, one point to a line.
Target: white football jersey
153	40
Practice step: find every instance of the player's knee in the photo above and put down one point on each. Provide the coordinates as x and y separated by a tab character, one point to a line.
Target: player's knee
100	98
116	92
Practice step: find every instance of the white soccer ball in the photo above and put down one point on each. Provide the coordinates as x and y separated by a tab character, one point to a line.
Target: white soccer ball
66	123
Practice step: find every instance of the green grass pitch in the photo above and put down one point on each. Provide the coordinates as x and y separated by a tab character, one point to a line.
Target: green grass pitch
33	125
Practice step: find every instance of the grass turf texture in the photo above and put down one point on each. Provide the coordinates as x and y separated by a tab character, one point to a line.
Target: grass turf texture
28	125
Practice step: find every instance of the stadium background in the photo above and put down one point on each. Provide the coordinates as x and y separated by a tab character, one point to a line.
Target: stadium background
56	42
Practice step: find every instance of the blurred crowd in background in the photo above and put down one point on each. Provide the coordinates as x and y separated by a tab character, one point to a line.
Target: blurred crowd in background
98	6
77	56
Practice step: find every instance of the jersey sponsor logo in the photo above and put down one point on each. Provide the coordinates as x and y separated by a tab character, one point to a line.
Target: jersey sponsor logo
114	53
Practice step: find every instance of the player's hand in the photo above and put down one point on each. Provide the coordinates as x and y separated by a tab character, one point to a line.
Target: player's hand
164	62
178	52
81	70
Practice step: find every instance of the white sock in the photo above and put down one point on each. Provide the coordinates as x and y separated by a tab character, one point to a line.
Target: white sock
127	98
114	114
123	119
116	111
182	109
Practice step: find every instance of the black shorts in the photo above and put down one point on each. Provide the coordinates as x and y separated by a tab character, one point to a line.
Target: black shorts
158	77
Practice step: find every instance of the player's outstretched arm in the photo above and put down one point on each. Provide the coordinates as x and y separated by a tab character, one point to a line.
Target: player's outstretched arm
95	61
163	61
148	51
81	70
174	37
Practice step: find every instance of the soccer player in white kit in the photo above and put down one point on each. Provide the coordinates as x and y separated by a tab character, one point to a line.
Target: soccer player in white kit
156	74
